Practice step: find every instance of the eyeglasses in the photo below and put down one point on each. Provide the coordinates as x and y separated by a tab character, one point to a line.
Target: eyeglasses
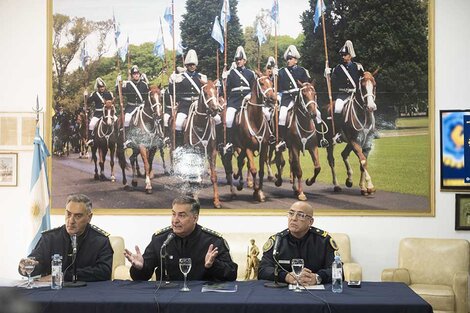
300	215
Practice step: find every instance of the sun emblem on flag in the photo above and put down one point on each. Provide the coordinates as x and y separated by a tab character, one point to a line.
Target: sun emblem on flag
35	209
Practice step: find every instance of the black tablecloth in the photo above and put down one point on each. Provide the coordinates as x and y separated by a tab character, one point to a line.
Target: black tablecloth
252	296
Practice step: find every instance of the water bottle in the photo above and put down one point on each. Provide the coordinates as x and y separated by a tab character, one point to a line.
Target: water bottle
337	275
56	272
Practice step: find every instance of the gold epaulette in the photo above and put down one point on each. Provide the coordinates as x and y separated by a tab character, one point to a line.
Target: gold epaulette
99	230
160	231
324	234
210	231
50	230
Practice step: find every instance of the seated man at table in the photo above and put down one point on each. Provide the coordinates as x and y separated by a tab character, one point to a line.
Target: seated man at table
299	241
185	238
94	256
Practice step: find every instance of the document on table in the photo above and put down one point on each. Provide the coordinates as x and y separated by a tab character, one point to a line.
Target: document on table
219	287
310	287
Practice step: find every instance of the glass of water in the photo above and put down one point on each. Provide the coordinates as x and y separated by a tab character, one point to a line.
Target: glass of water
185	267
29	265
297	267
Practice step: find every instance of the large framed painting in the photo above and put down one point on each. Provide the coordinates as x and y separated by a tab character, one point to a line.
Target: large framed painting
123	71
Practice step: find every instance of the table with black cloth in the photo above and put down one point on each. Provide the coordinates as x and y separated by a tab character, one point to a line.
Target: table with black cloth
127	296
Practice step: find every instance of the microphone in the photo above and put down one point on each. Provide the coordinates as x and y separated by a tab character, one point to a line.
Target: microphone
277	242
168	239
74	282
276	283
73	238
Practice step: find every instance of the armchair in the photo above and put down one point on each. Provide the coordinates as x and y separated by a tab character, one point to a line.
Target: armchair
352	271
120	270
436	269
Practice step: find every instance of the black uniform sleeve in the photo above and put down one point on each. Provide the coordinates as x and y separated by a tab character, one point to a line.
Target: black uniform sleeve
101	270
151	257
223	268
267	265
325	273
40	252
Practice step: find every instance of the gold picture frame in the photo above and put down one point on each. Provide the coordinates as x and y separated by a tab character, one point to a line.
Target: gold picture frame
462	212
347	205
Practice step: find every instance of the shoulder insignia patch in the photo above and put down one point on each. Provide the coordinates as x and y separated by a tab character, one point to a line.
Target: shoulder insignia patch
210	231
161	231
50	230
319	232
333	243
99	230
269	244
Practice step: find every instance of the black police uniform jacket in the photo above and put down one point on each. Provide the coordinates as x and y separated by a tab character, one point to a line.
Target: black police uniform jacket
186	93
133	99
98	99
193	246
286	86
316	248
340	81
94	253
237	88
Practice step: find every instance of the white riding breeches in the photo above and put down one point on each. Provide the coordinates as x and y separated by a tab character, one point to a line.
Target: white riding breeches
166	118
93	122
283	113
339	104
180	118
217	119
230	116
127	119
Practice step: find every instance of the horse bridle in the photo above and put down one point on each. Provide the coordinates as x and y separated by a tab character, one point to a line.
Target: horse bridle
304	105
260	91
206	102
364	97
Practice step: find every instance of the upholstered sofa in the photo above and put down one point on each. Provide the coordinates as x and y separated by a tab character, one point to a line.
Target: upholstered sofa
436	269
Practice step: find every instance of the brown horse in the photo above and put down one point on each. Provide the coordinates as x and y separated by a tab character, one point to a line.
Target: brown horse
301	136
358	130
252	135
82	127
105	138
146	136
199	132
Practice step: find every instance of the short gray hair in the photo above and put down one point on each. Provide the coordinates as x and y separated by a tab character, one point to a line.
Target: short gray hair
195	206
80	198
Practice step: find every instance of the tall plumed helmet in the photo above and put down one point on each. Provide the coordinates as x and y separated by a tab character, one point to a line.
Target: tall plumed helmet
240	54
99	82
271	63
291	51
348	48
191	57
134	69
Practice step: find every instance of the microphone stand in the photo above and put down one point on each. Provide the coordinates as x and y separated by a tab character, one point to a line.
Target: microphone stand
74	283
276	283
167	283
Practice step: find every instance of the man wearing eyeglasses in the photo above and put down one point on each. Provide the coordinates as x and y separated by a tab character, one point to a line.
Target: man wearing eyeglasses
299	241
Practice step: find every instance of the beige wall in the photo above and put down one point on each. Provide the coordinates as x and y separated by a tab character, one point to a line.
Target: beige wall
374	239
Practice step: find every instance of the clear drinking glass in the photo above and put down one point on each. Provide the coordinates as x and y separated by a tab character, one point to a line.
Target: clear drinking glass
29	265
297	267
185	267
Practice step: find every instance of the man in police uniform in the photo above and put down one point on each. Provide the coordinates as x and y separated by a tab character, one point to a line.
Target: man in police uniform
94	253
345	84
239	82
136	91
269	70
98	99
208	251
287	86
299	240
188	88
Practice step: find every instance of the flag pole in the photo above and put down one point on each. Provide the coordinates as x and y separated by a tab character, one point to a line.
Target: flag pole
173	102
276	105
121	101
328	78
165	64
224	112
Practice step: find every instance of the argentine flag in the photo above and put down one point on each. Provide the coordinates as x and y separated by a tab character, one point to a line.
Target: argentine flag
40	205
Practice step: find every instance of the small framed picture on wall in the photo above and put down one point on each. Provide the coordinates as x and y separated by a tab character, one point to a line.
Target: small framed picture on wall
462	212
8	169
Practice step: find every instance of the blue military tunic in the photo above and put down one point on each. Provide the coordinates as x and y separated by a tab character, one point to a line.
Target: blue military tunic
342	85
186	92
237	88
286	86
98	99
129	92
